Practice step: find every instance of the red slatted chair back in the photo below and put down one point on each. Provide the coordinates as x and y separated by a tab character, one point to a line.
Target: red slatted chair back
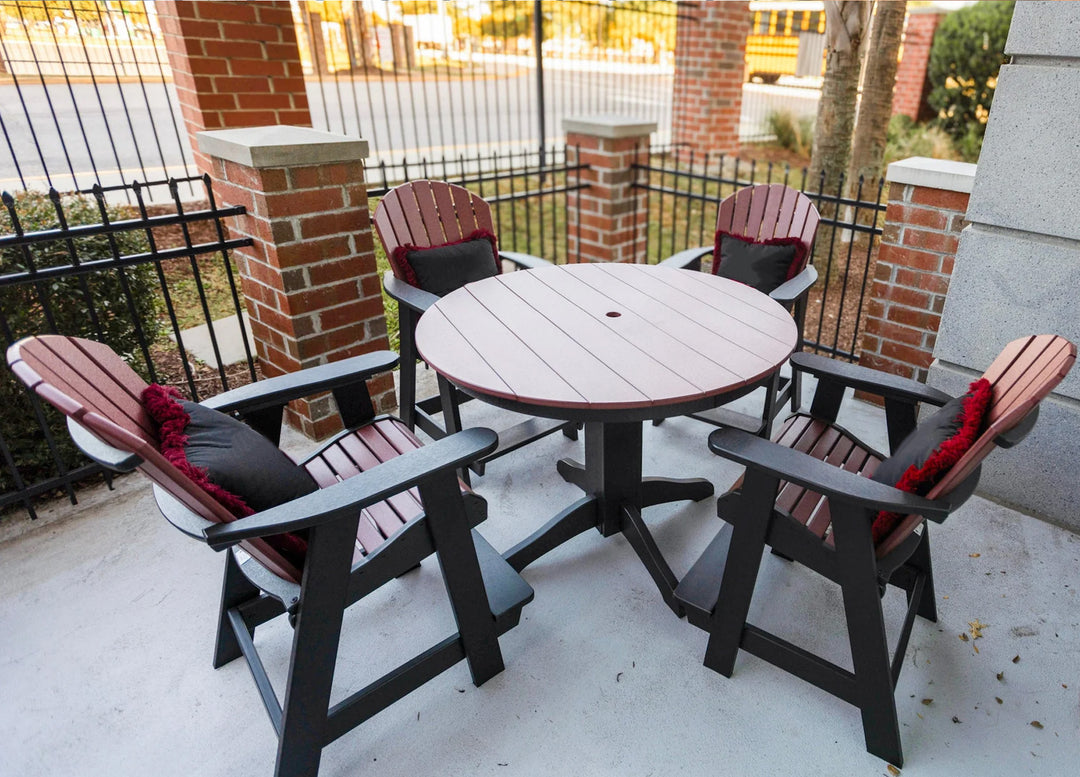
88	382
770	210
1021	376
429	213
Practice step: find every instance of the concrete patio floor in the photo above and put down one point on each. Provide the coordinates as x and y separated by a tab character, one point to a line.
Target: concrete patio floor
107	619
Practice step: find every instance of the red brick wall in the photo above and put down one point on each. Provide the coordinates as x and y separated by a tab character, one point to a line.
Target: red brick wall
710	54
234	64
911	279
312	287
909	94
610	224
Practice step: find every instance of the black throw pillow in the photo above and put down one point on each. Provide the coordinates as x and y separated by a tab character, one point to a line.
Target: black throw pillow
446	268
762	264
926	454
237	466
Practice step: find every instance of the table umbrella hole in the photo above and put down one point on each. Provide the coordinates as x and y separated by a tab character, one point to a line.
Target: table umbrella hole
613	314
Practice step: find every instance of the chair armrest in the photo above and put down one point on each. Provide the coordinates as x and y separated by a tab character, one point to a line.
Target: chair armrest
688	259
524	261
790	291
104	454
808	472
865	379
274	392
409	296
348	497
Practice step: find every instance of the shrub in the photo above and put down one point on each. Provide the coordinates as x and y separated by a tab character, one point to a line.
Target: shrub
69	302
905	139
795	133
967	53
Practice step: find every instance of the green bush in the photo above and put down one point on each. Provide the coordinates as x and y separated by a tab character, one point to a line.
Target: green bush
967	53
906	139
69	301
795	133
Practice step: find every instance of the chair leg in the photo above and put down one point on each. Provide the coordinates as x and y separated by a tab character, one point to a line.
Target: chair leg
407	374
454	545
452	418
796	389
740	571
235	590
325	588
866	635
920	560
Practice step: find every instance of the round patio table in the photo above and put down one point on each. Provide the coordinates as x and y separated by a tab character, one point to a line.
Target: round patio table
610	345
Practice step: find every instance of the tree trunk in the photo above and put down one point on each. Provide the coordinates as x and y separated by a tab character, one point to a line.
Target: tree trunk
875	110
845	27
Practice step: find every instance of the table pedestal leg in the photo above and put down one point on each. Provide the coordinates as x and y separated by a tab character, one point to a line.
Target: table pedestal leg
571	522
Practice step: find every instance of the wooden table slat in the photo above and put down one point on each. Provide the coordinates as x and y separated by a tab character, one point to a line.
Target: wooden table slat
520	373
586	357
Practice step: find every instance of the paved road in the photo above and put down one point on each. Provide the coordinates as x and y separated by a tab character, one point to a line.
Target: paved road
59	134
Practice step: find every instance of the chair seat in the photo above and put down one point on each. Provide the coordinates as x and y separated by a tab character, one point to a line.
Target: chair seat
825	442
357	451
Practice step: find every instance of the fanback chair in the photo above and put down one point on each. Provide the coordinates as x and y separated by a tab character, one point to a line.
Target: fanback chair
384	503
760	213
809	496
424	214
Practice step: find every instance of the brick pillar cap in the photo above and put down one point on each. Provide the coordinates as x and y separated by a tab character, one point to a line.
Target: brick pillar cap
933	174
280	146
608	125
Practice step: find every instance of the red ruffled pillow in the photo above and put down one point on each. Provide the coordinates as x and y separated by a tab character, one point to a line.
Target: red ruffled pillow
926	454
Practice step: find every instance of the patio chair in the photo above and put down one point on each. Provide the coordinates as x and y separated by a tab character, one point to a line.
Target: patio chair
810	496
380	503
769	214
433	214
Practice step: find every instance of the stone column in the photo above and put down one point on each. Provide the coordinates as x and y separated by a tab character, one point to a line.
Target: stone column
310	280
1018	264
912	83
927	202
610	224
710	65
233	65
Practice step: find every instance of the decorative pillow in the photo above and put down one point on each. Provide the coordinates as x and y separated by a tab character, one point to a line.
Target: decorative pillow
763	264
237	466
446	268
926	454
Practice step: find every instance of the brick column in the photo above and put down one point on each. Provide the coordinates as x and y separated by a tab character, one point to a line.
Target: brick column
310	279
912	82
234	65
610	224
710	65
928	199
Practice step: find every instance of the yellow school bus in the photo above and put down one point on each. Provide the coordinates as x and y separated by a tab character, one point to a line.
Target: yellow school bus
786	38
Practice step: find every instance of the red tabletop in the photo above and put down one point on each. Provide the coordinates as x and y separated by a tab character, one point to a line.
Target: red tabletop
591	338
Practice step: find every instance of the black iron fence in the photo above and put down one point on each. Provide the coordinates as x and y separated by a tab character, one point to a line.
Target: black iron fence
684	193
155	282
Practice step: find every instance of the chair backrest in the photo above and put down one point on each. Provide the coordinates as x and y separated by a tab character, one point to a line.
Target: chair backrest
429	213
89	382
770	210
1021	376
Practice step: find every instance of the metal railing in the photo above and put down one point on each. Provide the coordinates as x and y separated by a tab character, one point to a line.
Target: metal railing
155	282
684	194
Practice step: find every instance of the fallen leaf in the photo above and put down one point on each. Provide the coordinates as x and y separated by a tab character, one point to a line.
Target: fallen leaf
1036	724
1000	676
1016	659
618	677
998	700
976	648
919	716
963	637
945	597
975	628
892	770
974	555
1063	685
955	719
927	702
